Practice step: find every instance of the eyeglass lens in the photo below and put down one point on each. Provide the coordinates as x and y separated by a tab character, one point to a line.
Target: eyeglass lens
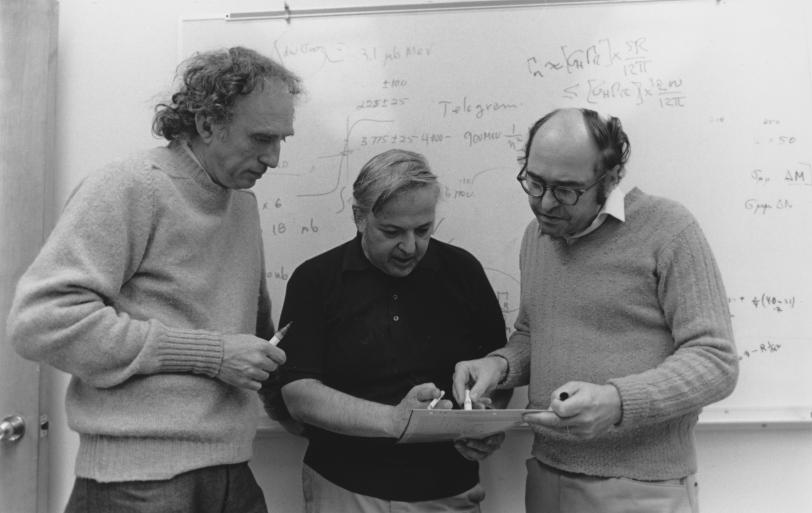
537	189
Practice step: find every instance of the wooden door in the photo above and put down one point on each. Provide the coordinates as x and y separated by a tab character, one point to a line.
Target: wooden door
28	30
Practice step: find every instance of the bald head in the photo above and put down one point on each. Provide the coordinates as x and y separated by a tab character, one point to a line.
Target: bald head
564	138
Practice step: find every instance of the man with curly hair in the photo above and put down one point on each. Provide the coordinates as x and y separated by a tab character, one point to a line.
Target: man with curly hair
151	293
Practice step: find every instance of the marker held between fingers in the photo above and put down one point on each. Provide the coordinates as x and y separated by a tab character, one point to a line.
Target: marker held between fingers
436	400
277	337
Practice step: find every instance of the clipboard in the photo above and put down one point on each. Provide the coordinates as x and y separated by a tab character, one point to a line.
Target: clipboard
443	425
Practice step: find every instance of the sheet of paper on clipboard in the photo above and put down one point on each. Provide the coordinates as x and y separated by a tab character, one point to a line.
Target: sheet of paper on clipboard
442	425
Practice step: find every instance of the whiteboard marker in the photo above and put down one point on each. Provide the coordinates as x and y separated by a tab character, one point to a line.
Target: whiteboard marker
277	337
436	400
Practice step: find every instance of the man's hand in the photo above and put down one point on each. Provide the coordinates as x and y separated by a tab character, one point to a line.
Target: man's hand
479	448
418	397
248	361
481	376
589	410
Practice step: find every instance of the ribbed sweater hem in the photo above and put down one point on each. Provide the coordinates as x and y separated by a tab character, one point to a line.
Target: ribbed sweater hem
108	459
659	452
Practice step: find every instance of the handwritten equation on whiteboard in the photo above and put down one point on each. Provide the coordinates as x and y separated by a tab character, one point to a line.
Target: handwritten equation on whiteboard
633	82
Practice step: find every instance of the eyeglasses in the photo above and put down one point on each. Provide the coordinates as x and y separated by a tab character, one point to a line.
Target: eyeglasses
536	188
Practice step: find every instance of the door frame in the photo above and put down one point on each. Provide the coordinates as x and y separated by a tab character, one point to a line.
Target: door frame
28	55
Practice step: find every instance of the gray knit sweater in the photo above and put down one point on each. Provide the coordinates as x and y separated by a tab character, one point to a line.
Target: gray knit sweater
640	305
149	264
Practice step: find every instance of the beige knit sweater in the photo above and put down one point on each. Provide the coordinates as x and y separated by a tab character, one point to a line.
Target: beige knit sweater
640	305
149	264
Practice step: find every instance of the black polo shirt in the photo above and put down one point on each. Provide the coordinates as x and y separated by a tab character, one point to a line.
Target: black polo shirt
374	336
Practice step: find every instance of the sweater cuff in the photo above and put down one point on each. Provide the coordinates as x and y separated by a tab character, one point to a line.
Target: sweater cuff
503	378
635	401
196	351
516	367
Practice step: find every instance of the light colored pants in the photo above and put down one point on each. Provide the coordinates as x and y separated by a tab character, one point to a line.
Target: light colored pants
552	491
323	496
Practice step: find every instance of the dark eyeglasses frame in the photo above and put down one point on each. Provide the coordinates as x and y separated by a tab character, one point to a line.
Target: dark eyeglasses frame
522	178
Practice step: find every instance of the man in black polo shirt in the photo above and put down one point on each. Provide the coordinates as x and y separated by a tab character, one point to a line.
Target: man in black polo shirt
378	324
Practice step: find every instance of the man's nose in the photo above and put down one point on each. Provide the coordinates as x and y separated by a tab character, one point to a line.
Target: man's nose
548	200
270	157
408	243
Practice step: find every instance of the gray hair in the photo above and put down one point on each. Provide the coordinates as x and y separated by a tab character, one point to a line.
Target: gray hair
211	83
387	175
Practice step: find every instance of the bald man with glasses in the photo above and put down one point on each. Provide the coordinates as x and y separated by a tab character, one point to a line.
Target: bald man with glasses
623	331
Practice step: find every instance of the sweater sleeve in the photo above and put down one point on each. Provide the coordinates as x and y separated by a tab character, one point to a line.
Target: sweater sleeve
704	365
517	352
64	313
265	328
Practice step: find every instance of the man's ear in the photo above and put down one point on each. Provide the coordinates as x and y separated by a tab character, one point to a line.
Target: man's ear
359	218
204	126
615	174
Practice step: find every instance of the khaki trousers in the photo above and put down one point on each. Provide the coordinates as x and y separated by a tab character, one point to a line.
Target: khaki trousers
551	491
322	496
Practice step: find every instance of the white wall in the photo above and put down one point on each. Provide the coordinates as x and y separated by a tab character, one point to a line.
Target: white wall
115	57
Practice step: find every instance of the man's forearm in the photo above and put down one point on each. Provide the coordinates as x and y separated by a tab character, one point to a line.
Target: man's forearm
311	402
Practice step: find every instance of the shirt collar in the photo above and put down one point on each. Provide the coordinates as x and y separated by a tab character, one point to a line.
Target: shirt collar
613	206
188	149
354	258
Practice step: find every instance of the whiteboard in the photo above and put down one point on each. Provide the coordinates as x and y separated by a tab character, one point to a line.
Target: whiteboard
716	98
